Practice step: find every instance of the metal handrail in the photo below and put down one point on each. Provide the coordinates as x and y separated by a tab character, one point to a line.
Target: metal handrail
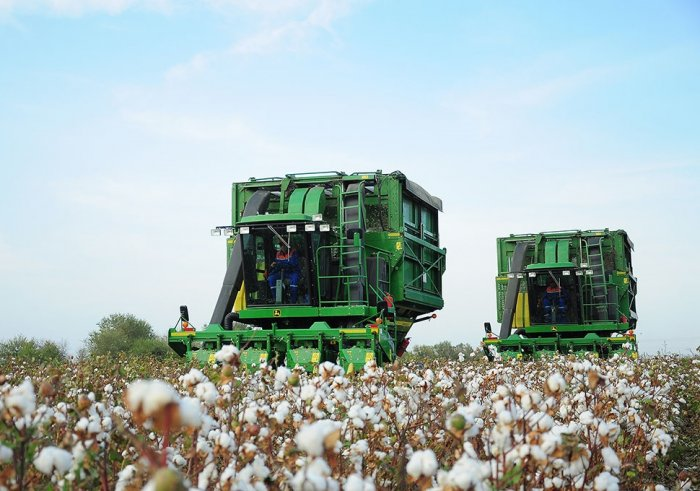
346	283
319	174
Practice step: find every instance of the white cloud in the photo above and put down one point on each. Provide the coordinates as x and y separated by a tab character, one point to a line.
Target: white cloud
196	64
292	34
271	7
81	7
285	25
505	103
194	128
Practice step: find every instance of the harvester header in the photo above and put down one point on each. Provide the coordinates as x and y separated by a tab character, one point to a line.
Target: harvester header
564	292
323	266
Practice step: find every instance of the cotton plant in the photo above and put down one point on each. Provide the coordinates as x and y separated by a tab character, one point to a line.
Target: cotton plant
559	423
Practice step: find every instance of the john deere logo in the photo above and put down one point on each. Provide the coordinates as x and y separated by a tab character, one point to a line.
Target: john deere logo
277	313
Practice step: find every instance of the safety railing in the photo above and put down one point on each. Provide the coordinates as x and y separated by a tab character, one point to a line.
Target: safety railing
350	289
344	287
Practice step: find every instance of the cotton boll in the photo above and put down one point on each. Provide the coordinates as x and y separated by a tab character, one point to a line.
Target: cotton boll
208	473
282	374
282	412
606	482
550	442
207	393
555	384
82	425
193	377
150	396
53	458
227	354
355	482
422	463
316	476
612	462
190	412
125	476
308	391
318	436
21	401
467	473
586	418
5	454
250	415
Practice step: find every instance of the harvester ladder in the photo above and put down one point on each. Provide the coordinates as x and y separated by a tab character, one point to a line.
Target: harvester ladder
598	281
352	261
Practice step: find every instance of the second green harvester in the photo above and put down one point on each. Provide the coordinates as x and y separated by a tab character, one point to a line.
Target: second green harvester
564	292
323	267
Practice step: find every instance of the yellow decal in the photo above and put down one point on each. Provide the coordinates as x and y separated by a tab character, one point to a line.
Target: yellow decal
394	234
626	280
365	177
263	357
369	356
399	246
315	357
354	331
635	355
277	313
240	302
182	334
212	358
522	311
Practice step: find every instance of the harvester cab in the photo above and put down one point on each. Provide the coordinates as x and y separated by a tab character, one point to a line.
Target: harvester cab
564	292
323	267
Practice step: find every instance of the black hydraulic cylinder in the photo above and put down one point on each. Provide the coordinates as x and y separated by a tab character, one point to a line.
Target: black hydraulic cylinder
516	266
233	279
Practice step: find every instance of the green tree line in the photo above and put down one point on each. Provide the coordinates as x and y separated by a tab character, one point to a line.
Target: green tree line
116	333
125	333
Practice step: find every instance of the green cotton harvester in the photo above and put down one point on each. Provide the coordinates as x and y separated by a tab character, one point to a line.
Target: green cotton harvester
564	292
323	267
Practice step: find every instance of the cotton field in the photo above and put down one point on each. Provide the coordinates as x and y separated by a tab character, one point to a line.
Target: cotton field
563	423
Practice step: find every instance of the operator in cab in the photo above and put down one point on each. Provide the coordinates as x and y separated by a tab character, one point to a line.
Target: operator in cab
554	302
285	267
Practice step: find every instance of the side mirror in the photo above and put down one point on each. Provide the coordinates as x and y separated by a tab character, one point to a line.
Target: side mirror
184	314
487	327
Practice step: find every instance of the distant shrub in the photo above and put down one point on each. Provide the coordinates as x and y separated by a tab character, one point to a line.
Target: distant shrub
124	333
151	347
42	351
440	351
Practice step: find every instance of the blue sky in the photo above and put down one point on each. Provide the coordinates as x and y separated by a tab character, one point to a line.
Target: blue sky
123	123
